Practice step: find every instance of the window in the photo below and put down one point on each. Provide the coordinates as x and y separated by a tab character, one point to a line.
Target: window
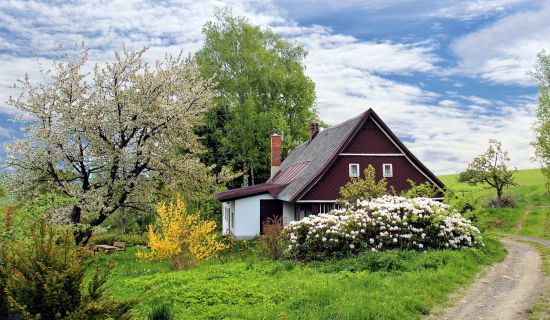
354	170
232	223
387	169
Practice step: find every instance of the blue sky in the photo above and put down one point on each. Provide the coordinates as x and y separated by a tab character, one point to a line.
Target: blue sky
446	76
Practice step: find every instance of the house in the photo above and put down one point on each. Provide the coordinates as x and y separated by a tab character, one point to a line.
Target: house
309	179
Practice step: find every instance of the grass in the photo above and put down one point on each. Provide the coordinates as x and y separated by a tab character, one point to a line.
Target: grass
530	216
389	285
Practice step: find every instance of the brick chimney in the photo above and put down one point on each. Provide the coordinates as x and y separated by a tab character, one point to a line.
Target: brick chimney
313	130
275	154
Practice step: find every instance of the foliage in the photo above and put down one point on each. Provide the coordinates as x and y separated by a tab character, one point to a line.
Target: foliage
271	242
181	237
43	278
423	190
110	139
541	75
20	216
490	168
161	311
110	237
358	189
381	224
262	90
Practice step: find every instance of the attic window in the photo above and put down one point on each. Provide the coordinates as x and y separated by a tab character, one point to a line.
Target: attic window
387	170
354	170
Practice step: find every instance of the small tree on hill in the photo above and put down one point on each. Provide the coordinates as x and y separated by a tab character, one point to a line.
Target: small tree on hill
363	189
490	168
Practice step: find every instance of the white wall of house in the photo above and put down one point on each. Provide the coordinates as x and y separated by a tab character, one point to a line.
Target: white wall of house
228	210
247	216
288	212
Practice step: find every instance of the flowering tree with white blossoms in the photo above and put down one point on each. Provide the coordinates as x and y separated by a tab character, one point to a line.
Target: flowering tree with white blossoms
383	223
109	138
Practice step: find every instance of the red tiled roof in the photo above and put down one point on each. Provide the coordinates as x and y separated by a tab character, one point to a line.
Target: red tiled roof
285	176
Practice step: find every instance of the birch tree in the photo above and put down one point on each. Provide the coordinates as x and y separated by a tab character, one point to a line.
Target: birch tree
108	138
262	89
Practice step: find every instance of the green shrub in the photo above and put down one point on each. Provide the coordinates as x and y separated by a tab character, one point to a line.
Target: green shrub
160	311
425	190
110	237
271	242
44	278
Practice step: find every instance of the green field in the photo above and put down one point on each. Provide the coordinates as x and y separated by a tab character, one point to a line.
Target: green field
530	216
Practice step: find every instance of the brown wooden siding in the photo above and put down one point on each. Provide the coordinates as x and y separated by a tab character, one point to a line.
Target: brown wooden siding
370	139
328	187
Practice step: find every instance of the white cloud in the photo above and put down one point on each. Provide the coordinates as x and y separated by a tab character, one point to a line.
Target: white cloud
504	51
468	10
351	75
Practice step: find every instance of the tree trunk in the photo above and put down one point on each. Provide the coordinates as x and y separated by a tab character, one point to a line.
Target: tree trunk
122	220
75	214
83	236
499	198
252	175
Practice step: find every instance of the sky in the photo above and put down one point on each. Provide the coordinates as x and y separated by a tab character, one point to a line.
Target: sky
446	76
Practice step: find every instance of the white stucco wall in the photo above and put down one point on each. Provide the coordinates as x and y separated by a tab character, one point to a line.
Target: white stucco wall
247	216
225	218
288	212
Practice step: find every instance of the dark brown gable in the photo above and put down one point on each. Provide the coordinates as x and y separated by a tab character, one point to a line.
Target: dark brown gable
372	143
370	139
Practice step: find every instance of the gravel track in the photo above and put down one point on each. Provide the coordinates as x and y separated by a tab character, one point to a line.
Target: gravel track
506	289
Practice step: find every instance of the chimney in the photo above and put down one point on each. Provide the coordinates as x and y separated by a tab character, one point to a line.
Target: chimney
275	154
313	130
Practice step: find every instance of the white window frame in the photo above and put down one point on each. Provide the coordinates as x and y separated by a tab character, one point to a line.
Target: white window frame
358	170
384	170
232	219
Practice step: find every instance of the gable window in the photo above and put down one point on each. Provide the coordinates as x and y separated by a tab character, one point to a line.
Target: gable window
354	170
387	170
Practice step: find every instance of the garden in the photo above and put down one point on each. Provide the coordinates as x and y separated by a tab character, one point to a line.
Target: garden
107	207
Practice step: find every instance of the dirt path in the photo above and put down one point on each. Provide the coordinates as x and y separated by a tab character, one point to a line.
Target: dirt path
506	289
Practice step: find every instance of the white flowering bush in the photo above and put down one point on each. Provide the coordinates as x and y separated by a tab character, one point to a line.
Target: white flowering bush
384	223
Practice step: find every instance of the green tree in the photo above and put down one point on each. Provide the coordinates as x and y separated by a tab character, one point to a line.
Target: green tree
262	89
363	189
542	123
490	168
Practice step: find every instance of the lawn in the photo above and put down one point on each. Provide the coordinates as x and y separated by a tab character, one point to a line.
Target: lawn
530	216
389	285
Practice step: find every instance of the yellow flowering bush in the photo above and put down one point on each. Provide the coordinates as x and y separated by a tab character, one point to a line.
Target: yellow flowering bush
180	237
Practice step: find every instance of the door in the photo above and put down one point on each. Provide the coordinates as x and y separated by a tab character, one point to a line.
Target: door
270	209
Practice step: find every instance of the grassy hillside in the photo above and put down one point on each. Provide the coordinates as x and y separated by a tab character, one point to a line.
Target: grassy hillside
530	216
